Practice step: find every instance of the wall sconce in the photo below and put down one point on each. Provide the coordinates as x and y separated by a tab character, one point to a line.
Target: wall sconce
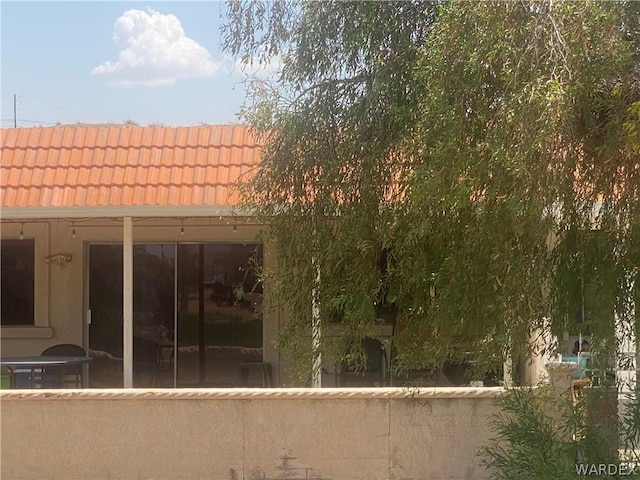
59	259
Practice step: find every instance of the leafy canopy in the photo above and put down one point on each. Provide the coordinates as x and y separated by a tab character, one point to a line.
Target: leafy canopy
440	164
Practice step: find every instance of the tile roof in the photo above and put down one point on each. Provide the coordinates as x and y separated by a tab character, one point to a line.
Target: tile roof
125	166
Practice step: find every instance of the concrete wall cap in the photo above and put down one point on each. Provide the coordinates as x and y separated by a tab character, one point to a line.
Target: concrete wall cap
253	393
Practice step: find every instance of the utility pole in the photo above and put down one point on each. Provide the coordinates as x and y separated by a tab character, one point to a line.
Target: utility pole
15	123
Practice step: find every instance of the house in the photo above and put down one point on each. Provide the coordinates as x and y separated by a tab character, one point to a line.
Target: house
91	212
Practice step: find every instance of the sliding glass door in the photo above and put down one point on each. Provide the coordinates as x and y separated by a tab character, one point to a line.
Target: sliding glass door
197	313
219	319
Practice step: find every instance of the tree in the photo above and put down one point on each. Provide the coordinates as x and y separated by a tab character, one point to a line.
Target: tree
439	163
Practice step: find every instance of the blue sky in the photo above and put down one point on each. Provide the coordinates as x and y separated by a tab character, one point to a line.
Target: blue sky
101	62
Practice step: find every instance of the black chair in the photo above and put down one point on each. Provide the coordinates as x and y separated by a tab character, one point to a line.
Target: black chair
405	377
147	358
167	354
58	377
263	370
372	373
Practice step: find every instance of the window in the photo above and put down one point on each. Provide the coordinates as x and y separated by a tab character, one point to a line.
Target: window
588	274
17	265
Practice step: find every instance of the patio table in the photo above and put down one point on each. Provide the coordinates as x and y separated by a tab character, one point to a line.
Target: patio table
39	365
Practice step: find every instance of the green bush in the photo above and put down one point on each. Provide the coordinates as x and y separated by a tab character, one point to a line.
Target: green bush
540	436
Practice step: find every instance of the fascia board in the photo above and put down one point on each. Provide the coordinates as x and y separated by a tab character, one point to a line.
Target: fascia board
149	211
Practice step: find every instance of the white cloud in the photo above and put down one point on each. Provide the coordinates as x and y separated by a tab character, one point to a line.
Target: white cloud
154	51
253	67
260	66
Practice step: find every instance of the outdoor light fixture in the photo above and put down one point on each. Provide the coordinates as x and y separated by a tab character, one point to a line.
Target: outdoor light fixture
235	229
182	229
73	230
60	259
22	231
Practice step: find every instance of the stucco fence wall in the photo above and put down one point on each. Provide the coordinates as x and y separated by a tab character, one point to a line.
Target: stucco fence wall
384	433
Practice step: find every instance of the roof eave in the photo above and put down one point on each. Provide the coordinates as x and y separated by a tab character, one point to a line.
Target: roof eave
150	211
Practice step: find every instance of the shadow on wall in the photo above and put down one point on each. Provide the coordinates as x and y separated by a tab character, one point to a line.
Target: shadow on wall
287	469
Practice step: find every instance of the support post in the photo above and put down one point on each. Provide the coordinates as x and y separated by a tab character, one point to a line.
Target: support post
127	302
316	378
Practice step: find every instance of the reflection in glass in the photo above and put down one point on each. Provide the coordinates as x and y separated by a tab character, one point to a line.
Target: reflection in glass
219	312
17	283
105	303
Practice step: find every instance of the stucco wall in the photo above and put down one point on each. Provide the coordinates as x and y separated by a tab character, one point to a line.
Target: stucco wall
245	434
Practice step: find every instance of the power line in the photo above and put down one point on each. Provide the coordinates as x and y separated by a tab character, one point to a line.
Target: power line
29	103
35	102
24	120
5	120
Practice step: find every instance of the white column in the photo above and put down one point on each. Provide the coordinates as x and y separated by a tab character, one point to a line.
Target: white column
316	376
627	347
550	351
507	371
175	318
507	365
127	302
633	348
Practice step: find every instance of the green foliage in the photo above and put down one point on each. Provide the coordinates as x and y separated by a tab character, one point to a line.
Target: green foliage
629	429
527	443
540	436
436	160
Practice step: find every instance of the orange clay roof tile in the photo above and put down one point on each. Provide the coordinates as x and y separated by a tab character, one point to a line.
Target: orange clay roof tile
68	166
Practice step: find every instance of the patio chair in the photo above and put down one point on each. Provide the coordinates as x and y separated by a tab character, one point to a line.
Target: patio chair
374	372
263	370
58	377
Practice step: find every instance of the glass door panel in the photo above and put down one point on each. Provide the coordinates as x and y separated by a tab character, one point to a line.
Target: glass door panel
105	303
195	319
153	313
190	296
219	312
